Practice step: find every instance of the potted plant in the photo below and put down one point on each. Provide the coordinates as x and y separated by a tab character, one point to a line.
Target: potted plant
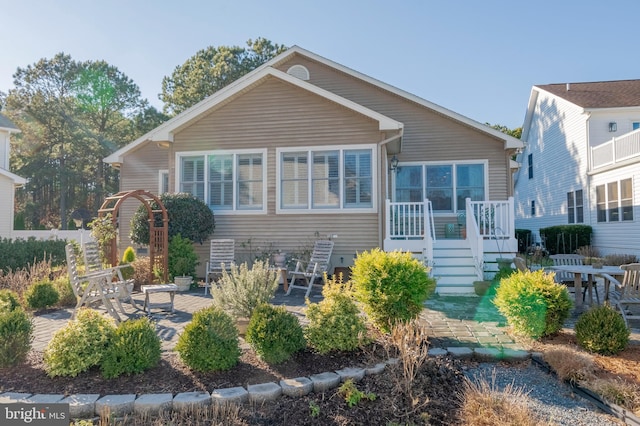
182	262
481	287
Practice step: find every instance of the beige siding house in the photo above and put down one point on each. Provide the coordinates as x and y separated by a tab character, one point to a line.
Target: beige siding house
303	148
8	180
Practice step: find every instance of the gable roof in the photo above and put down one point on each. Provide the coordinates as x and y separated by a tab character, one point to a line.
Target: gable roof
6	124
17	180
599	94
165	131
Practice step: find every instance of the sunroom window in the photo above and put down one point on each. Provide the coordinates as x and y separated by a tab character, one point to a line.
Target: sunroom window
326	179
231	181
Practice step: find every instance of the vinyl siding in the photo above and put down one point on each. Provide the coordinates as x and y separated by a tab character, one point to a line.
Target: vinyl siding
6	211
557	140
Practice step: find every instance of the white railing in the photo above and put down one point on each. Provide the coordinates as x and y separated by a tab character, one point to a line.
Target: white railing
616	150
475	240
494	218
405	220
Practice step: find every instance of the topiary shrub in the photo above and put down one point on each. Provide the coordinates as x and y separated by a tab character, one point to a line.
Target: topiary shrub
533	304
392	286
242	289
16	330
41	295
141	272
134	349
128	257
334	322
274	334
602	330
188	216
210	341
182	258
79	345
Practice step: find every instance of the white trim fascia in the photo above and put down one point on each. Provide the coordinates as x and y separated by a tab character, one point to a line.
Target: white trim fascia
509	141
17	180
10	130
165	131
341	148
233	211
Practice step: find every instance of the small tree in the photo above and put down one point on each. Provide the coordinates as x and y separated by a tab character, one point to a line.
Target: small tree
188	216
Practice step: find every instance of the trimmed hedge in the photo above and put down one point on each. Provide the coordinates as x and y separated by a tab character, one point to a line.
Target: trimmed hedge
574	236
19	254
524	239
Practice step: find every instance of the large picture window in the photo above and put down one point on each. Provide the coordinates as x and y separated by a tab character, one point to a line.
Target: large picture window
447	186
231	181
614	201
326	179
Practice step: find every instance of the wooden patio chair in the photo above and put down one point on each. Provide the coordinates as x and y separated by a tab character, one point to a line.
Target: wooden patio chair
313	269
94	287
625	294
568	278
221	257
93	263
521	264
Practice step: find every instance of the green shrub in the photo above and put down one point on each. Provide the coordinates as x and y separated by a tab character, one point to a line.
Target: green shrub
334	322
210	341
392	286
533	304
182	257
9	300
242	289
128	257
566	238
16	331
524	239
274	333
79	345
41	295
503	273
20	253
134	349
63	286
602	330
188	216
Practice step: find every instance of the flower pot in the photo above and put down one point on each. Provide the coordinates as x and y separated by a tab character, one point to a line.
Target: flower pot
481	287
279	259
504	263
183	283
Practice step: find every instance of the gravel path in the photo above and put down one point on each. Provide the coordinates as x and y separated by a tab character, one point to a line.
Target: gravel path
551	400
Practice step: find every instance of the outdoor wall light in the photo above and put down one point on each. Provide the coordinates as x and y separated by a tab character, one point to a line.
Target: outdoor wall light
394	164
613	126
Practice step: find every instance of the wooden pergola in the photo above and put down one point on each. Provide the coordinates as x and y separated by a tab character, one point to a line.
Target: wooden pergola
158	235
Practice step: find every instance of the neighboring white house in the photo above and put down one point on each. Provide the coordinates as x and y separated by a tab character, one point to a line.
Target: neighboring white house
581	162
8	180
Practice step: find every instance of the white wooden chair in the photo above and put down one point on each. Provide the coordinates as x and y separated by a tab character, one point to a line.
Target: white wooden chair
316	267
627	293
221	257
568	278
93	263
93	287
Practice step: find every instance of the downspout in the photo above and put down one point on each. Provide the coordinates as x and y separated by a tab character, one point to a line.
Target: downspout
588	175
383	144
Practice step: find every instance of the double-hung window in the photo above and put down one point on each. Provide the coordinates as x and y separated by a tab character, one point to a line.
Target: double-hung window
614	201
575	208
326	179
225	181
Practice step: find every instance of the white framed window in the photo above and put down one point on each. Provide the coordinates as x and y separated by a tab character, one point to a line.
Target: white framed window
227	181
614	201
163	181
575	208
446	185
327	179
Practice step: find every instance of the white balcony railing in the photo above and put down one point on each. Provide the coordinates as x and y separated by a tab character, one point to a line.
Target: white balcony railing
616	150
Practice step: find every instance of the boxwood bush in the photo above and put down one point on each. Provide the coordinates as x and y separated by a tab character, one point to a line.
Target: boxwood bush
41	295
210	341
135	348
602	330
391	286
16	330
533	304
274	333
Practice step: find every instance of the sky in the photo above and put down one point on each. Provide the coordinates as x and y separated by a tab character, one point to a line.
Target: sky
477	58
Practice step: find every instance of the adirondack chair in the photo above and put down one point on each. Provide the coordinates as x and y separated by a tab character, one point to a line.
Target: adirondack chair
221	257
627	293
316	267
94	287
93	263
568	278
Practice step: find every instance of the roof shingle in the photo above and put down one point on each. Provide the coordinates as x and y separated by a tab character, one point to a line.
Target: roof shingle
599	94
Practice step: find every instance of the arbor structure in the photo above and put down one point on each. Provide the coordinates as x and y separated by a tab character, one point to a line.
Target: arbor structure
158	235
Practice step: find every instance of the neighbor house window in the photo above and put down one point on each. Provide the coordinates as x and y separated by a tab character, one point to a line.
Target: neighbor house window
231	181
533	207
530	165
337	178
575	209
163	181
614	201
635	125
447	186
